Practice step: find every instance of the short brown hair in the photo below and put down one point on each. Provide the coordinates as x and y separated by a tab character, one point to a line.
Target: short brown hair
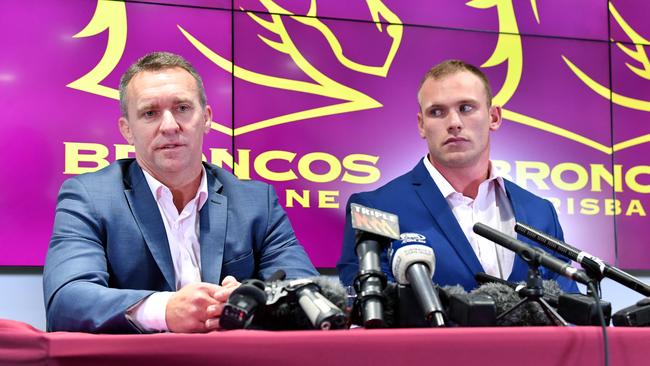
450	67
158	61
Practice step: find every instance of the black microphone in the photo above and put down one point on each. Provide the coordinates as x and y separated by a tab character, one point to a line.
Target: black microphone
243	302
528	253
413	263
589	262
374	228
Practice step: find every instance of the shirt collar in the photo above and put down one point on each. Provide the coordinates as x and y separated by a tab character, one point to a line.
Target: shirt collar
446	188
157	187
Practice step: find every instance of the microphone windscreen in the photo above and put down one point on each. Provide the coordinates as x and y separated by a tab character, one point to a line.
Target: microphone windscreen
453	290
333	290
552	292
505	298
287	314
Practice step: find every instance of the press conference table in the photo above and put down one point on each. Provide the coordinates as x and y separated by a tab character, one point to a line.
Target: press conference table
20	344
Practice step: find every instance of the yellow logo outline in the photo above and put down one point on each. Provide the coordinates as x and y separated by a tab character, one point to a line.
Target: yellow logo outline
509	49
111	16
323	85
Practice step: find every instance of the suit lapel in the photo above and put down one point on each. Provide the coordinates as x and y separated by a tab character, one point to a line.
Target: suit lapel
214	217
520	268
439	208
147	215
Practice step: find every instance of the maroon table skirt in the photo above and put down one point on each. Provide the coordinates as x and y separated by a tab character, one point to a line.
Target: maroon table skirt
21	344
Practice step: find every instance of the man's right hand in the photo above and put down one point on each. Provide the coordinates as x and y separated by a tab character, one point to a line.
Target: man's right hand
187	309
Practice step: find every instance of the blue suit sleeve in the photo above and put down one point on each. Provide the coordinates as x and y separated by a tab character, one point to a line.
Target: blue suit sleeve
76	274
280	248
566	284
348	264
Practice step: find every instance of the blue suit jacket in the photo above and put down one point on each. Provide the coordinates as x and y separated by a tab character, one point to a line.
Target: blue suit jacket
422	209
109	248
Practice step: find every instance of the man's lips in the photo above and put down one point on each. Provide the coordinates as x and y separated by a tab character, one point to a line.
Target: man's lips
169	146
453	140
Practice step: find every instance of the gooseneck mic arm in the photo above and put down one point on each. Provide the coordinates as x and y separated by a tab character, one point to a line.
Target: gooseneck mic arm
594	266
528	253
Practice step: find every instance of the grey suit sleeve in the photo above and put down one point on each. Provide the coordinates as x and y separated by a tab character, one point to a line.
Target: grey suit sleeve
76	274
280	248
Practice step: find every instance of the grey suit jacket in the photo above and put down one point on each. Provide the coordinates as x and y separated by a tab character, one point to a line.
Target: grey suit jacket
109	248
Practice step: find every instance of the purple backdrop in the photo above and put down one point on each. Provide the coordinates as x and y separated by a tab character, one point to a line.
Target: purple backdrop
325	107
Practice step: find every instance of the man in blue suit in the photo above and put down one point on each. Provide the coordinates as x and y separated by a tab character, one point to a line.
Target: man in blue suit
455	186
142	245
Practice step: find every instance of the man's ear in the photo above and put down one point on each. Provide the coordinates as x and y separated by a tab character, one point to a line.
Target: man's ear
495	117
207	116
421	125
125	130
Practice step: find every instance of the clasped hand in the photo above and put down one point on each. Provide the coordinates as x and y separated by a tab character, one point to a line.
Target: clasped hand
198	306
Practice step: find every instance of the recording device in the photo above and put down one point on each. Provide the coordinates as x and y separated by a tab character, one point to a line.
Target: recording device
413	263
528	253
313	303
374	229
551	288
468	309
285	298
637	315
576	308
509	307
402	310
594	266
582	309
242	304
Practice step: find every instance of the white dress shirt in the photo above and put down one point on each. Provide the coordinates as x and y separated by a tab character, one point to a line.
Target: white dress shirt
491	207
182	231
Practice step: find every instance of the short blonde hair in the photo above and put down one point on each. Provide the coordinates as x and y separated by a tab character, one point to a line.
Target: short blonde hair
450	67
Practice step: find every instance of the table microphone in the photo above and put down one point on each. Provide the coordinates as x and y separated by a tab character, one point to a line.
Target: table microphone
374	229
589	262
413	263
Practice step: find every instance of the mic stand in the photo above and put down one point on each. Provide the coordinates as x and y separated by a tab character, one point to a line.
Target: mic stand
596	276
533	292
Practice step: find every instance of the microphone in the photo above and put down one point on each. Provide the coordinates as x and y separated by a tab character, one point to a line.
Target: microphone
413	263
589	262
576	308
374	228
506	298
242	304
551	288
311	303
462	309
529	254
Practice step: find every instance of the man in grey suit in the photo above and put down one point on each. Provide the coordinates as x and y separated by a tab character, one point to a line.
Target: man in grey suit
142	245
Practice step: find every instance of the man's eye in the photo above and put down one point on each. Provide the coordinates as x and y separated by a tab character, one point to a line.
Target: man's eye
183	108
436	112
466	108
149	114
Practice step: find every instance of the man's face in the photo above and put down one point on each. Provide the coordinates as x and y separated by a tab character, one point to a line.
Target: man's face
166	123
456	121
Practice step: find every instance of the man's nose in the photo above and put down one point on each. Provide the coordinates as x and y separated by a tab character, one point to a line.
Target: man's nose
455	121
169	123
